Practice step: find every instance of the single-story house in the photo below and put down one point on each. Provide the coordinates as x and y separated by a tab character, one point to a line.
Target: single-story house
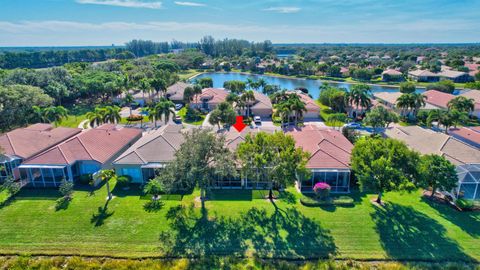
420	75
209	98
439	100
427	141
389	99
138	97
392	75
23	143
313	110
232	139
84	154
262	106
149	154
330	157
475	95
468	135
455	76
175	92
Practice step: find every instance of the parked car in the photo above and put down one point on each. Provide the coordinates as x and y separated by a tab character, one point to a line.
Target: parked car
257	120
178	106
353	125
177	119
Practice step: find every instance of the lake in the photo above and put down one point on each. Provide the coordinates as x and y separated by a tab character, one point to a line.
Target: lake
285	83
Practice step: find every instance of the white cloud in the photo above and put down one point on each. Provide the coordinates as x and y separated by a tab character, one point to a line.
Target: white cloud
283	9
124	3
189	4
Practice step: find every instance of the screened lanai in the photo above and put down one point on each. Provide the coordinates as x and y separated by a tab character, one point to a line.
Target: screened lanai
468	182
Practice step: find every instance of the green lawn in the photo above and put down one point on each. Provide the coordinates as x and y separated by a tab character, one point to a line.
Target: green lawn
182	113
187	74
76	115
238	223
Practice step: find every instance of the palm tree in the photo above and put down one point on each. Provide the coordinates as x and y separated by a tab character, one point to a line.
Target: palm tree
145	87
128	99
154	114
105	176
55	114
197	90
38	115
240	105
165	108
112	114
462	104
97	117
159	85
404	102
283	111
418	101
298	108
248	97
262	83
359	96
188	94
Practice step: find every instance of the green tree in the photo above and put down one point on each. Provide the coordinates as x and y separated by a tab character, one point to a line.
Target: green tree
66	189
248	98
105	176
437	172
128	100
154	187
165	108
461	104
359	95
445	86
380	117
236	87
97	117
297	106
55	114
382	165
273	158
223	114
407	87
160	85
112	114
11	186
337	119
205	82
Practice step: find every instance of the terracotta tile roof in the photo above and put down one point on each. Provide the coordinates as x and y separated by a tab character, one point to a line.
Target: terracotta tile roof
390	97
233	138
438	98
467	134
29	141
392	72
175	91
422	73
213	95
309	102
261	101
157	146
329	149
98	144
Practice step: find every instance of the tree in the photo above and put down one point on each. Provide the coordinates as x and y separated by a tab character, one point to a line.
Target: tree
404	103
445	86
380	117
66	189
283	111
407	87
165	108
273	158
438	173
112	114
236	87
337	118
461	104
248	98
223	114
332	97
128	100
297	106
55	114
188	94
201	157
154	187
359	95
105	176
97	117
145	87
205	82
11	186
382	165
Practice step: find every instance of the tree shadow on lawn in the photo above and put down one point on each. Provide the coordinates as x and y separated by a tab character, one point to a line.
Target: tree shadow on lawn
407	234
283	234
38	194
468	221
98	218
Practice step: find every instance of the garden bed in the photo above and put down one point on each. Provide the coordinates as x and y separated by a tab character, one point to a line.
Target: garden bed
335	201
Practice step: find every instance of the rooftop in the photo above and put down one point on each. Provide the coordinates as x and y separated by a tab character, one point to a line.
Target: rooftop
175	91
233	138
437	98
213	95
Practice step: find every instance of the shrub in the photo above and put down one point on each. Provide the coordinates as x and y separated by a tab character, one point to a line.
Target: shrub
66	189
322	190
85	179
11	186
134	118
340	201
124	180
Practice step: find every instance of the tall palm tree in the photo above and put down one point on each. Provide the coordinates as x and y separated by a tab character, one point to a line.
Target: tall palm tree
404	102
359	96
248	97
298	108
159	85
418	101
145	87
112	114
462	104
165	108
197	90
283	111
262	83
128	99
55	114
97	117
153	114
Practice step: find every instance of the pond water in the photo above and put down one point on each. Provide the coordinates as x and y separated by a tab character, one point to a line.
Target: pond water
286	83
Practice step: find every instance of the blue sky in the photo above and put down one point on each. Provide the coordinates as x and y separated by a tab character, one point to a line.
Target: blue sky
105	22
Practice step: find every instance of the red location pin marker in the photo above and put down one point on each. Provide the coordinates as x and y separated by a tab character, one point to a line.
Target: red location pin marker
239	125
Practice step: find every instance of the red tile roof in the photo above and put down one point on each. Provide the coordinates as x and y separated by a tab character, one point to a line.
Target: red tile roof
438	98
213	95
34	139
470	134
309	102
329	149
98	144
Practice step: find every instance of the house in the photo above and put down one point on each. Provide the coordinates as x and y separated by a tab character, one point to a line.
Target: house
455	76
475	95
427	141
313	110
84	154
261	106
175	92
437	99
467	135
330	157
389	99
392	75
423	76
23	143
232	139
209	98
149	154
473	68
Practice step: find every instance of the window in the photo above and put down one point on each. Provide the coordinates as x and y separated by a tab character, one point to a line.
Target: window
134	173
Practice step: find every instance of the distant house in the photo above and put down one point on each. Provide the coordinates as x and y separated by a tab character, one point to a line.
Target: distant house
209	99
344	71
473	68
262	106
437	99
423	76
175	92
330	157
475	95
23	143
392	75
84	154
138	97
455	76
149	154
313	110
469	135
389	99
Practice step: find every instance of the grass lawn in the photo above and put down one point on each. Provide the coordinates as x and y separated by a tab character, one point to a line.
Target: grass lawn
237	222
76	115
182	113
187	74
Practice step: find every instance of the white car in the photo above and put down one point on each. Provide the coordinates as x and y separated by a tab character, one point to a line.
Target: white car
353	125
178	106
257	119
